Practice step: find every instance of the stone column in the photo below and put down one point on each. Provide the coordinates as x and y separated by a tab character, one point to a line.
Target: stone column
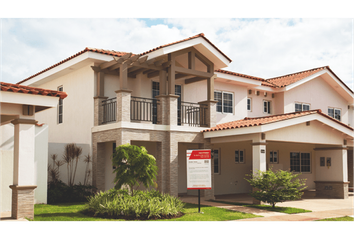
167	109
173	167
23	178
209	113
98	110
123	105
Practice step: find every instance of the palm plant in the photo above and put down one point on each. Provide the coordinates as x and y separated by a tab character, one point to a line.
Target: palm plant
71	153
87	160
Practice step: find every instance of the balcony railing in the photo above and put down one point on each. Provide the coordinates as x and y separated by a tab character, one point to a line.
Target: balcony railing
193	114
109	110
144	109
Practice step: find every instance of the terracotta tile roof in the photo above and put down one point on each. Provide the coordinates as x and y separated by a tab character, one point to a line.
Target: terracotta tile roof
107	52
288	79
251	122
239	74
183	40
9	87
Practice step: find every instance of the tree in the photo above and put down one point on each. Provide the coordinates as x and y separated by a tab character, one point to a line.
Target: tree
273	187
71	153
133	166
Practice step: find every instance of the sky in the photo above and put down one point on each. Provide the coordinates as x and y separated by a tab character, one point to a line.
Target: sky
261	47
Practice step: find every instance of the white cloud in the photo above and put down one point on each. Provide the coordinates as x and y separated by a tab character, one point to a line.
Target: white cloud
259	47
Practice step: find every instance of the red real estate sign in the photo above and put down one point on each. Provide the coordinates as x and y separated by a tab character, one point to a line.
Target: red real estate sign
198	169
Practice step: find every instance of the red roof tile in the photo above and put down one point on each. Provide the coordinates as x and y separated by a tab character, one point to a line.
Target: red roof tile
288	79
239	74
251	122
183	40
9	87
107	52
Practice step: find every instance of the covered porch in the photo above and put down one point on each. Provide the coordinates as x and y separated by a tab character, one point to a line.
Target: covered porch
23	162
310	143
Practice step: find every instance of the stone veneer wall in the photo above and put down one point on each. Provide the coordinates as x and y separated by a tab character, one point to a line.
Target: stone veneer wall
350	168
332	189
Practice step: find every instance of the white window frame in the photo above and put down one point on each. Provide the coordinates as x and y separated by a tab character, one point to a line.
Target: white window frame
334	113
222	101
250	110
269	106
62	107
302	106
239	156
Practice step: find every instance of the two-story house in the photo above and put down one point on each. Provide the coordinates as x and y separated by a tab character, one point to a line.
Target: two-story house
177	97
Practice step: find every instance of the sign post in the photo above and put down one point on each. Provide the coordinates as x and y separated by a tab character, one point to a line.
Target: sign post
199	170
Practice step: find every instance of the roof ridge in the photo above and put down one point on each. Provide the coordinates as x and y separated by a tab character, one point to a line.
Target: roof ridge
291	74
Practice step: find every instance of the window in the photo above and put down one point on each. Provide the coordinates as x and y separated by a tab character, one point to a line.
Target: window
216	161
225	102
249	104
334	113
60	107
322	161
239	156
299	107
300	162
273	157
266	106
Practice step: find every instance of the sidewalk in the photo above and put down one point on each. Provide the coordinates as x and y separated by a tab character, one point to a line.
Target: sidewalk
321	208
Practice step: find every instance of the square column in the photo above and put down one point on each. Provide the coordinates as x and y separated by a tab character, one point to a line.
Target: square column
258	160
23	178
167	109
208	113
123	105
98	110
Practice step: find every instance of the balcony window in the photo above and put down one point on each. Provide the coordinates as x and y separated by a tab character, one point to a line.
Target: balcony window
225	101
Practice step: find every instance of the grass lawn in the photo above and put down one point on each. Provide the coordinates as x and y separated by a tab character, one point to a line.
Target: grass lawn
71	212
346	218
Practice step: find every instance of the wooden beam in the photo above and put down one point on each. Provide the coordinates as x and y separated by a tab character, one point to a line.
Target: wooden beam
115	66
206	62
107	64
210	87
148	71
193	72
191	60
145	65
119	59
136	72
123	76
153	74
181	75
193	80
134	58
100	84
163	81
143	59
171	74
127	56
166	64
159	62
107	71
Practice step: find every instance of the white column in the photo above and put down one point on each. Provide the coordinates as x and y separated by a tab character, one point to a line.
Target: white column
344	161
259	156
24	142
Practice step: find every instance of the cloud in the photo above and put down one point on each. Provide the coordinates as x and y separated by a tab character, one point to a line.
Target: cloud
259	47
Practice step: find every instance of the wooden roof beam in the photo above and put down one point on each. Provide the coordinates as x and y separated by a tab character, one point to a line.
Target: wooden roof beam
153	74
193	80
107	64
193	72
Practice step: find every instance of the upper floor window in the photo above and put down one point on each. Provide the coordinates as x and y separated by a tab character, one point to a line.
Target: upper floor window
60	107
249	104
334	113
299	107
266	106
225	101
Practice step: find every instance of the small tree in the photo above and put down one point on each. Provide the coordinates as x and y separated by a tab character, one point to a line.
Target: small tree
273	187
133	166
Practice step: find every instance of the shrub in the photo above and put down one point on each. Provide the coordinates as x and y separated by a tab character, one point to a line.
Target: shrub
143	205
273	187
59	192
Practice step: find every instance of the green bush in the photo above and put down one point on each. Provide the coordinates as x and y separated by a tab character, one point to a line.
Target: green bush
143	205
59	192
273	187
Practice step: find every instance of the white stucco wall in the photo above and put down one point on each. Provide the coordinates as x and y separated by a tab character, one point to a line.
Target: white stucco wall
78	117
257	104
7	161
335	171
319	94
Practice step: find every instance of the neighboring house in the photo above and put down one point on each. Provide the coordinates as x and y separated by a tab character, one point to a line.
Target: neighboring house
23	147
177	97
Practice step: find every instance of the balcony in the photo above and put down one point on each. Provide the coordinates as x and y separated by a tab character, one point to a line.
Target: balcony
148	110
